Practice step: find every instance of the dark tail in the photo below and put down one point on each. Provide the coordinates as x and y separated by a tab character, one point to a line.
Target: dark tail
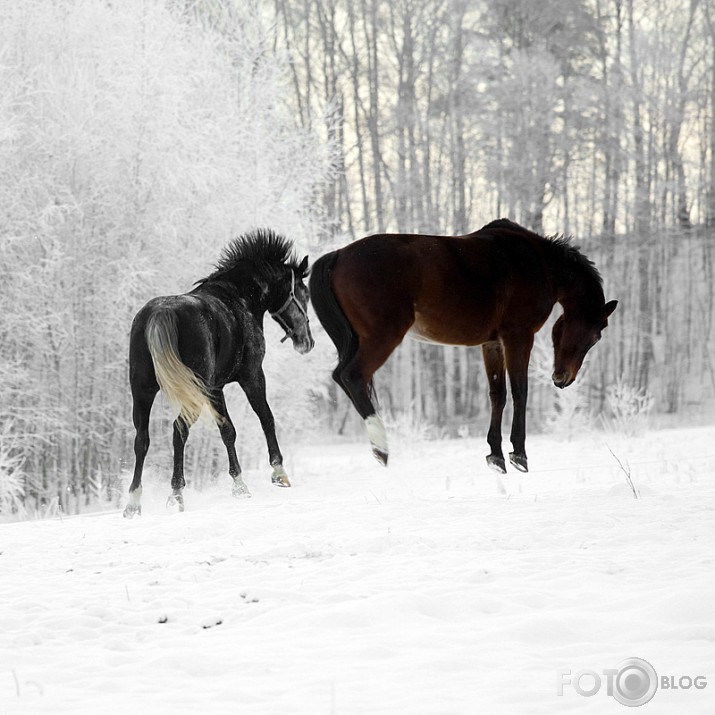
329	312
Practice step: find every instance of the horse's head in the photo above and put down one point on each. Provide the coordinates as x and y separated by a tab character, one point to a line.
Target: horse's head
291	312
574	336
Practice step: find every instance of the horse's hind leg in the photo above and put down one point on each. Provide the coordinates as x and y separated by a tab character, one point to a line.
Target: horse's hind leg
228	436
355	377
175	501
143	400
493	355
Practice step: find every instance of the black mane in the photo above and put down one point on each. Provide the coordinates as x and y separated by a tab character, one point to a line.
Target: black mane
573	261
568	256
263	248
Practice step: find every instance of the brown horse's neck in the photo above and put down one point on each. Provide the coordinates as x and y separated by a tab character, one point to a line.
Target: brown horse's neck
576	281
580	298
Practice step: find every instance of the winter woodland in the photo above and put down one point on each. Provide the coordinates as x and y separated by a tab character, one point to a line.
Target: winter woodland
137	138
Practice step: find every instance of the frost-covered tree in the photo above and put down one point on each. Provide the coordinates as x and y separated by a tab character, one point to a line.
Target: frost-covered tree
135	142
12	478
592	118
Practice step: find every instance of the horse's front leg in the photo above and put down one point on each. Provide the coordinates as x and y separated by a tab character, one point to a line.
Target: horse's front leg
254	385
517	365
494	365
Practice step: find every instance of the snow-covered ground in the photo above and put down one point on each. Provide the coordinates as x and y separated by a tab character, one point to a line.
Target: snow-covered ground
416	589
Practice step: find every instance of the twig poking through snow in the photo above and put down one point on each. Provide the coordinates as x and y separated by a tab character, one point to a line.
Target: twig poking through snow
627	472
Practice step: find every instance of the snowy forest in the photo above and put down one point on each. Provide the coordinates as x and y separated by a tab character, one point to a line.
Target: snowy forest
137	138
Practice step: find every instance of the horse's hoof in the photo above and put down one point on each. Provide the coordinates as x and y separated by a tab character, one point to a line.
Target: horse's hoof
240	490
279	477
497	463
175	503
378	438
380	456
132	510
519	461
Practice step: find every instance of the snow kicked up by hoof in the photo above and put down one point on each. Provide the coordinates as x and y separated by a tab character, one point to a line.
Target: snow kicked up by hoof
240	490
175	503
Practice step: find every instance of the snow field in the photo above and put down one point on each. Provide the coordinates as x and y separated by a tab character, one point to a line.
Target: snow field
416	589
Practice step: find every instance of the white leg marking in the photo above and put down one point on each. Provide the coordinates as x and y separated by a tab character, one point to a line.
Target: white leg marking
133	504
240	490
376	433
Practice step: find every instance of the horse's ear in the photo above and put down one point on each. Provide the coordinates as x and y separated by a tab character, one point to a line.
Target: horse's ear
303	267
609	308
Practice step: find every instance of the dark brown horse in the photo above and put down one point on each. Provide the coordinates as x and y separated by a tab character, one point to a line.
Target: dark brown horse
495	288
191	345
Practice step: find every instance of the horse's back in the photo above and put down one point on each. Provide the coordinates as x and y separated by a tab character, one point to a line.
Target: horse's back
432	286
456	290
414	262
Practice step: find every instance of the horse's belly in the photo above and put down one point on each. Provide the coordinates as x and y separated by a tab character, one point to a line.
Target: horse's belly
415	333
443	333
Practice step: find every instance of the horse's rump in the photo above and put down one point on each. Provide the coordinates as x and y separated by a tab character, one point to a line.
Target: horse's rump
185	391
328	310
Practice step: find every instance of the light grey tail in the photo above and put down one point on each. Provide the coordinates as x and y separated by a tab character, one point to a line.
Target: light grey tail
185	391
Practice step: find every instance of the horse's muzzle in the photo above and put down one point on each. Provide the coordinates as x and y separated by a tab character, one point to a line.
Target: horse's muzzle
562	379
304	345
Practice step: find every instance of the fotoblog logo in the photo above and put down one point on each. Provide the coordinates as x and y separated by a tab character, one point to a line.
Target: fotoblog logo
632	682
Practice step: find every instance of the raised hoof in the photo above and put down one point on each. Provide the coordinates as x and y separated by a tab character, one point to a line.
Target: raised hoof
497	463
519	461
378	438
132	510
175	503
240	490
380	456
279	477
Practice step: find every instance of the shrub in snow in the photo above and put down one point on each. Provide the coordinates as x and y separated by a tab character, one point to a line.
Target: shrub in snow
410	427
628	408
